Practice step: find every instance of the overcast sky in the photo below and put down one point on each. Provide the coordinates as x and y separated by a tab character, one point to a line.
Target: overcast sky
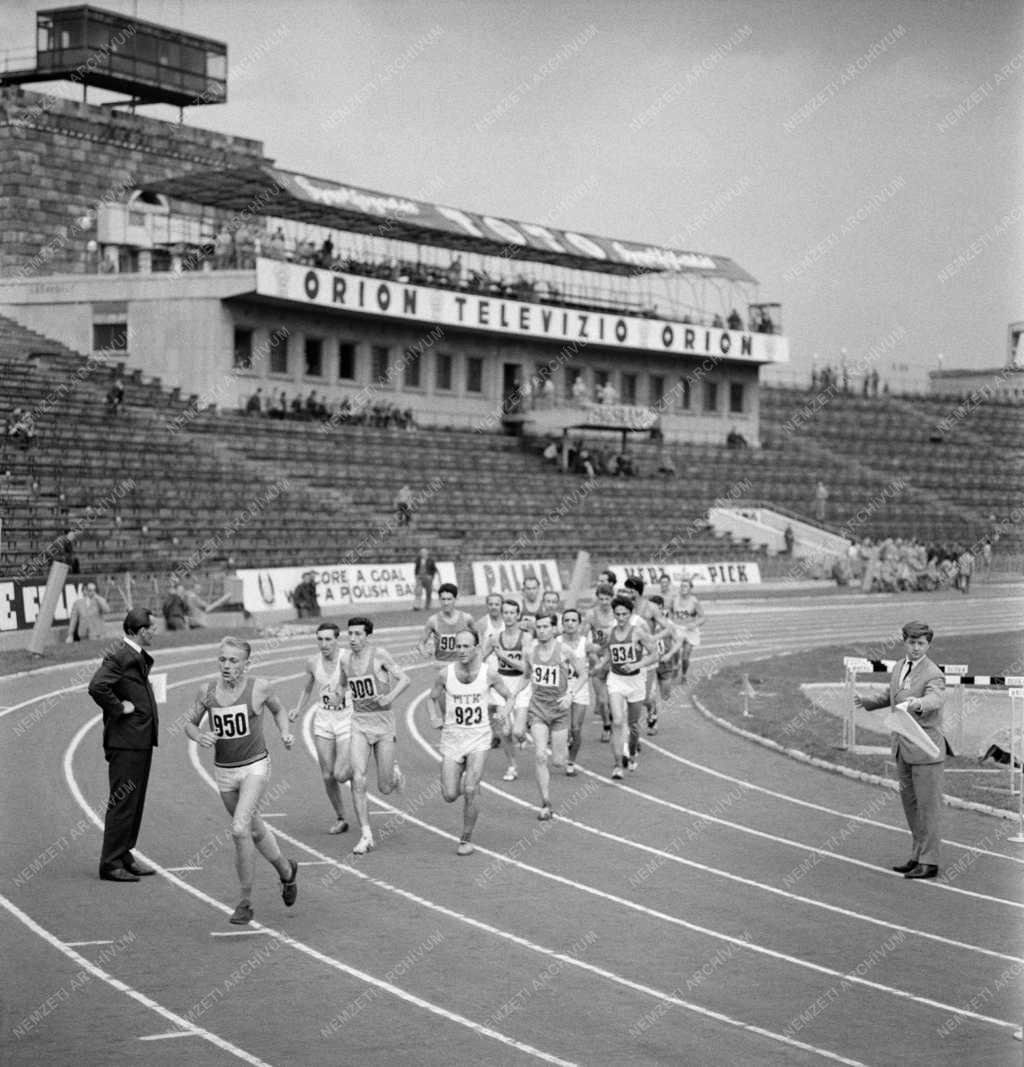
861	159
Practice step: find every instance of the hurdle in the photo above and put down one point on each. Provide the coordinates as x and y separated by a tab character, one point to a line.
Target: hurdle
856	665
1017	758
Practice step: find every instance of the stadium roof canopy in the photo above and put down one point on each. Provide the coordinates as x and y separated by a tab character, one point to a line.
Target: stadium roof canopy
260	189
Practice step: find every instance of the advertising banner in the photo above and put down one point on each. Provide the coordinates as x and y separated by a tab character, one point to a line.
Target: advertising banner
702	574
474	311
337	586
20	600
506	576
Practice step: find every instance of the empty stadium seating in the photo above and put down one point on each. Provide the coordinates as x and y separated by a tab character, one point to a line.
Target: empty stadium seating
154	491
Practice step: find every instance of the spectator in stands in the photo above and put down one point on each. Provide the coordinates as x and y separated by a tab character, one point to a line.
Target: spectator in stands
874	382
194	605
735	322
175	609
86	622
454	273
548	392
965	568
115	396
254	405
279	408
551	452
579	391
790	538
986	557
424	576
607	394
245	247
820	501
277	246
304	597
223	249
23	429
403	505
666	465
62	550
325	257
735	439
718	322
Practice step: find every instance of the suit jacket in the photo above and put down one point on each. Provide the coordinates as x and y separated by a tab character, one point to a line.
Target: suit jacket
927	684
124	675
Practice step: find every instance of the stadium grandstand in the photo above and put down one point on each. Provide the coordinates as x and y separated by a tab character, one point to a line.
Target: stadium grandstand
200	350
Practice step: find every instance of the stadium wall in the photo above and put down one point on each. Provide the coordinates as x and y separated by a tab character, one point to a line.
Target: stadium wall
62	159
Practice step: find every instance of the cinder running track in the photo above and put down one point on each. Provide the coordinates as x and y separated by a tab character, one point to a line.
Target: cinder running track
723	905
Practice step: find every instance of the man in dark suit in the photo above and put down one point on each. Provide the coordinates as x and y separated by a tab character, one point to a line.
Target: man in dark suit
917	682
121	688
425	573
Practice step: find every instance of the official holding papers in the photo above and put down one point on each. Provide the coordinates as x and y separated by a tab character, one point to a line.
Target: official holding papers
917	689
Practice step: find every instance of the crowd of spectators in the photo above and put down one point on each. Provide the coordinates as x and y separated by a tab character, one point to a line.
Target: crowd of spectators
580	458
840	381
314	407
20	429
238	250
904	565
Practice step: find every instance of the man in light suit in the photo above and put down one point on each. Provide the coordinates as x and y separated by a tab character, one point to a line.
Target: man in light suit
917	682
121	688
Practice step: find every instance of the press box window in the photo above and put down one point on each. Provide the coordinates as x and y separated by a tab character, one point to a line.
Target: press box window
278	348
736	398
443	372
346	361
474	375
110	336
243	349
711	396
314	357
381	364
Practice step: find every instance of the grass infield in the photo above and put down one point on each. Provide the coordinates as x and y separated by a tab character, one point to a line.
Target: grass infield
781	712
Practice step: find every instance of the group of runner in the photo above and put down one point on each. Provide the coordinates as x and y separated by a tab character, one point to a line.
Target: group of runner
529	668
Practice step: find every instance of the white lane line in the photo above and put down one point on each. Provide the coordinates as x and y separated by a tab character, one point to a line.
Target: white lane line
522	942
817	807
299	946
237	933
181	870
671	856
739	828
81	944
164	1037
123	987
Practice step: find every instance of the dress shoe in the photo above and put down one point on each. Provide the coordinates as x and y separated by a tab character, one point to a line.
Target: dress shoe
138	869
905	868
118	874
923	870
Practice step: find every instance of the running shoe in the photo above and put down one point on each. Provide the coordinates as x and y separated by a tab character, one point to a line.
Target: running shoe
570	770
242	915
545	813
652	725
606	735
631	765
290	888
465	847
616	773
363	845
510	775
340	827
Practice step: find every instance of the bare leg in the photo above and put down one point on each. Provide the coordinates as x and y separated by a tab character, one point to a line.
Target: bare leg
539	733
360	756
326	756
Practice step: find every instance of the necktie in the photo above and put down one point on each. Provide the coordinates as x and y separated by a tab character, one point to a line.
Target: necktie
907	667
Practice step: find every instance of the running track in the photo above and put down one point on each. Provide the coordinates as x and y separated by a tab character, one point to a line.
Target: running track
724	905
